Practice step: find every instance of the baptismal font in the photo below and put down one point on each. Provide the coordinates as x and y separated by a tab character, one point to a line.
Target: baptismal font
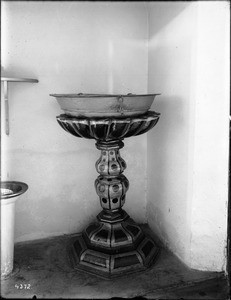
113	245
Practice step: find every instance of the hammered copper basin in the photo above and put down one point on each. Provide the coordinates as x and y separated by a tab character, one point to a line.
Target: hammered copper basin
104	105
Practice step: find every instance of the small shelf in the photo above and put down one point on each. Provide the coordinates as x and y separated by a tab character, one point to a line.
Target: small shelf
5	81
13	79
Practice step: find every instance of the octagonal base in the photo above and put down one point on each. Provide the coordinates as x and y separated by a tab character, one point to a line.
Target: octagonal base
110	258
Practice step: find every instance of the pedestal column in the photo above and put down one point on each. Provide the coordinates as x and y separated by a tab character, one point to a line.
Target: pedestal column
111	186
114	243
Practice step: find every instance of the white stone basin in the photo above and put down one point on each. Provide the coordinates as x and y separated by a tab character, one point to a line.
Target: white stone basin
10	191
104	105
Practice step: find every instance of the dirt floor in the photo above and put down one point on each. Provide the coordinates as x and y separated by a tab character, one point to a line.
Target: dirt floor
43	270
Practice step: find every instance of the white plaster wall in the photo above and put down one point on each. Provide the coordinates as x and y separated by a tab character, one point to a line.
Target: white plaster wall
211	144
188	149
69	47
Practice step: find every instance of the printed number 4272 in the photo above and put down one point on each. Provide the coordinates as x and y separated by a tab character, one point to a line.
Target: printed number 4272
21	286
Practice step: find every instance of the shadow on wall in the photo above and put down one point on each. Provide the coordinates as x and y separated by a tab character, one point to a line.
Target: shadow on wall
19	71
164	15
167	161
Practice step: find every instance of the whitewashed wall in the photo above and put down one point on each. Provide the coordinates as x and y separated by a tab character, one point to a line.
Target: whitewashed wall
188	149
70	47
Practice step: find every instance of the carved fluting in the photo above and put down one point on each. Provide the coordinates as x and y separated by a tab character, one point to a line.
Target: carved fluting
108	129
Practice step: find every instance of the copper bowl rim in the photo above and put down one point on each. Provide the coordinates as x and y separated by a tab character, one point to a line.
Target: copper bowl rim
83	95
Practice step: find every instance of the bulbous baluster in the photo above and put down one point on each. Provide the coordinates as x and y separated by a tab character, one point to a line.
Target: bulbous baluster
110	163
111	191
111	186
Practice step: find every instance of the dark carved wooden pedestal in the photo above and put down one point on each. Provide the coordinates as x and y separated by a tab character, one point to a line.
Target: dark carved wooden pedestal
114	244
